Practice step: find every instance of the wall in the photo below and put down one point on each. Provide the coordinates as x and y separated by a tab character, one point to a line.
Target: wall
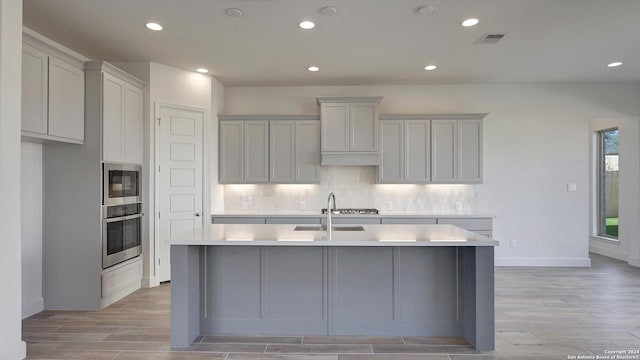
31	197
626	248
535	142
11	346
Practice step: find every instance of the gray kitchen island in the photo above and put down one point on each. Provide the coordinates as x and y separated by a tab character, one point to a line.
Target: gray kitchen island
379	280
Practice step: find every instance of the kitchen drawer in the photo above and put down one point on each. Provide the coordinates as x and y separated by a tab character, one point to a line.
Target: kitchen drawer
238	220
293	220
407	220
119	277
351	220
469	223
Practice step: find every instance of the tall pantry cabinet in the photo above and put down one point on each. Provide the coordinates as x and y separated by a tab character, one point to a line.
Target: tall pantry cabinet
73	228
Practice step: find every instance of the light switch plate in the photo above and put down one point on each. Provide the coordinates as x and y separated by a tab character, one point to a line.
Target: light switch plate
572	187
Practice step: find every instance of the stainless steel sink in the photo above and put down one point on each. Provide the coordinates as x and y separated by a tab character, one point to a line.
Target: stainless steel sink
324	228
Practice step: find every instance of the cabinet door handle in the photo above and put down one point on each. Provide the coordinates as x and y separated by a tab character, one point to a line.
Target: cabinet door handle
198	214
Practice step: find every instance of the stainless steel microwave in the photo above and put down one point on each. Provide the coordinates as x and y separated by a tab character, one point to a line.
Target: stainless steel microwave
122	184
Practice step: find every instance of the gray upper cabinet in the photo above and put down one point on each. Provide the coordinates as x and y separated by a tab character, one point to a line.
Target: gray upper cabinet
392	151
307	151
349	130
231	167
35	89
430	148
66	100
456	146
404	151
269	148
133	125
52	92
417	145
444	149
282	151
244	152
470	151
294	154
119	98
113	90
256	152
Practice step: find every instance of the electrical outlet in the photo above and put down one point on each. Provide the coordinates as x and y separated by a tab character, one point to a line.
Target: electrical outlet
302	205
572	187
245	205
514	243
389	205
458	206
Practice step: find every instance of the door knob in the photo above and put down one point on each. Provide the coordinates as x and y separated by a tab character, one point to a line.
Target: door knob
197	214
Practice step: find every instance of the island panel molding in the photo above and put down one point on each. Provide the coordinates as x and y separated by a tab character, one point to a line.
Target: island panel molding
353	285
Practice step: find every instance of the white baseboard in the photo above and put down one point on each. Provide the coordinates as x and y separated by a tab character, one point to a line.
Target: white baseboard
608	252
150	281
634	261
16	352
32	308
526	261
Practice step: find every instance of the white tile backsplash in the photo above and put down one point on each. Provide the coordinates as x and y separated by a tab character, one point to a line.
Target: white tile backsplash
354	187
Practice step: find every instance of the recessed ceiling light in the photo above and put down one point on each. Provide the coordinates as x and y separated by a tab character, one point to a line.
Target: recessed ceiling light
615	64
430	67
329	10
470	22
307	25
154	26
202	70
233	12
313	68
425	9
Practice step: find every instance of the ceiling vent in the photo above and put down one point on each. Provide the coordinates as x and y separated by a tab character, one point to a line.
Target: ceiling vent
490	39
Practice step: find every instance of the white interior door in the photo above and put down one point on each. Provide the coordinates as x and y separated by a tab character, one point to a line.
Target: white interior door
180	174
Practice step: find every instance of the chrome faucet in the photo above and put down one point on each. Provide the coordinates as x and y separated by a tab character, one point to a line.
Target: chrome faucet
329	211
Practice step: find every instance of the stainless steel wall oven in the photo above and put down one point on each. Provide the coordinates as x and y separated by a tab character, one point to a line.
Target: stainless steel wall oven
121	233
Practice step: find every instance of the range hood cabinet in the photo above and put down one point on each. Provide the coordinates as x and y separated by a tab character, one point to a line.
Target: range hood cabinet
349	131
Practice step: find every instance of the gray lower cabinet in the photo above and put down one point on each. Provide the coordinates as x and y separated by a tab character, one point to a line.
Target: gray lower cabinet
293	220
294	154
335	290
405	151
456	151
238	220
339	291
52	95
482	226
407	220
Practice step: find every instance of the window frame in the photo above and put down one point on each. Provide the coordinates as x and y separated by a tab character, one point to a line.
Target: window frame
601	223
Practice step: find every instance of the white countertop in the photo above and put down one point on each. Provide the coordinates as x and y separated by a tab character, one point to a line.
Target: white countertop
373	235
316	213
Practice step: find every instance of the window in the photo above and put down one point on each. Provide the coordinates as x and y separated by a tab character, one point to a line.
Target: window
608	157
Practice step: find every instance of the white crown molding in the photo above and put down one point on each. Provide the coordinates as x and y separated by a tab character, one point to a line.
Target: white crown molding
53	48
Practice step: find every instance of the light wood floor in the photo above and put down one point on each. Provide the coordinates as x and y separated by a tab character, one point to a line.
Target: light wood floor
541	313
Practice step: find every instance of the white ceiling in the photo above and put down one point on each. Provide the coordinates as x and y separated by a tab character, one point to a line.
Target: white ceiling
366	42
